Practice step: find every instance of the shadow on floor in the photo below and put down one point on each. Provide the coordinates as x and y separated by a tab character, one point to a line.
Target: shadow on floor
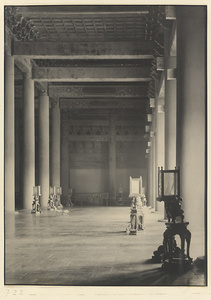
152	277
122	275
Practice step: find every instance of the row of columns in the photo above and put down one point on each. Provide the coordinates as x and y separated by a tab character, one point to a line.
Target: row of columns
184	119
28	157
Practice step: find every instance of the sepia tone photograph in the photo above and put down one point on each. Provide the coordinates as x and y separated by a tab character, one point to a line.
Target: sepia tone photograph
105	145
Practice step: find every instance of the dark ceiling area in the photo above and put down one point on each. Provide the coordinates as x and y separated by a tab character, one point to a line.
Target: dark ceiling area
91	57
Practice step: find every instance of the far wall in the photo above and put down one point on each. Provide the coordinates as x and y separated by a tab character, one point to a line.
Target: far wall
96	180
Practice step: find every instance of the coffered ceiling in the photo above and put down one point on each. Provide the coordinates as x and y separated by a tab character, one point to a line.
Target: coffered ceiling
91	23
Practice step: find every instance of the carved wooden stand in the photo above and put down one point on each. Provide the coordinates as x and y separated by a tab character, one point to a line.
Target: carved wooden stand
174	255
169	253
136	220
51	203
54	202
133	221
35	205
57	202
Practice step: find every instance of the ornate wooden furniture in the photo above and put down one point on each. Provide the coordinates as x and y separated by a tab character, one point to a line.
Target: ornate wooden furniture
36	202
58	192
136	214
51	205
54	201
169	192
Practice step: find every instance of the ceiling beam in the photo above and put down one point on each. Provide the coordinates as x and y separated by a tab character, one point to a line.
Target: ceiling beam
84	50
106	138
103	103
93	91
90	138
96	91
80	10
89	74
104	123
101	114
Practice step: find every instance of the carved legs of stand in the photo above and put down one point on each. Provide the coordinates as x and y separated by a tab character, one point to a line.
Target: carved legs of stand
36	205
136	221
188	239
169	245
54	202
171	251
141	221
133	222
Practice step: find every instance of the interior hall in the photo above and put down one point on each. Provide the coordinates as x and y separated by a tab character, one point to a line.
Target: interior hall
101	103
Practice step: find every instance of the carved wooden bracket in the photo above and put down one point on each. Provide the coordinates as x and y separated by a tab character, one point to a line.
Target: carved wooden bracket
23	29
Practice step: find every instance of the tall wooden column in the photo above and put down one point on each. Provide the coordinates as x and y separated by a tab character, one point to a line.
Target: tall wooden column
150	163
170	104
55	144
18	162
152	155
65	172
149	177
191	116
44	148
170	127
160	144
28	141
147	193
9	150
112	160
154	173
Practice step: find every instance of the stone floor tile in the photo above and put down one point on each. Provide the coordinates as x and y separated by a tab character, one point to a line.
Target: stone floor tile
87	246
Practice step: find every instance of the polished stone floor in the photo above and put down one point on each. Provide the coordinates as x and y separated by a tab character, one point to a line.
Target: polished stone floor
87	246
